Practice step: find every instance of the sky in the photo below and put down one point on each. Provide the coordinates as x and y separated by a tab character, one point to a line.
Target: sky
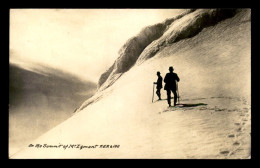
84	42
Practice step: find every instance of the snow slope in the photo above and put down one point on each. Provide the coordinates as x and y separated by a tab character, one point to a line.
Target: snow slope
212	60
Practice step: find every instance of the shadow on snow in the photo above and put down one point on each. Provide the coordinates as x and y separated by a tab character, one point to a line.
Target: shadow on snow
190	105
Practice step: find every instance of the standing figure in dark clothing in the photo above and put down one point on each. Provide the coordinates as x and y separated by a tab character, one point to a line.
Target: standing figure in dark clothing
170	85
158	85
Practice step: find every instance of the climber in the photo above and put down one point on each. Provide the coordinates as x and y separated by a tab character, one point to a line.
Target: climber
158	85
170	85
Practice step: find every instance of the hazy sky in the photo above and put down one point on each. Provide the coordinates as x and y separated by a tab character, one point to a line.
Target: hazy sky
84	42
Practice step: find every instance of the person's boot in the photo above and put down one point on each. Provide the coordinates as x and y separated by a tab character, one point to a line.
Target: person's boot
174	104
175	101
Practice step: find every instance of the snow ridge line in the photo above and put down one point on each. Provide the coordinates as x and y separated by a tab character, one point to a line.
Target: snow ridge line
131	50
153	38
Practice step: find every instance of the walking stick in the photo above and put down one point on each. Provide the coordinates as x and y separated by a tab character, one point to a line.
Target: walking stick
153	92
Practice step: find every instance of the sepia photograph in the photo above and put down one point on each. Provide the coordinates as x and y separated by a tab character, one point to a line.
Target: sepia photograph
129	83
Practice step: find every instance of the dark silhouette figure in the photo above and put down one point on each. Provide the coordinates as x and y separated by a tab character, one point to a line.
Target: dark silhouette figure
158	85
170	85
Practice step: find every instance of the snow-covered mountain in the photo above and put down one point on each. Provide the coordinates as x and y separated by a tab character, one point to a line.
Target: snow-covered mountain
210	50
